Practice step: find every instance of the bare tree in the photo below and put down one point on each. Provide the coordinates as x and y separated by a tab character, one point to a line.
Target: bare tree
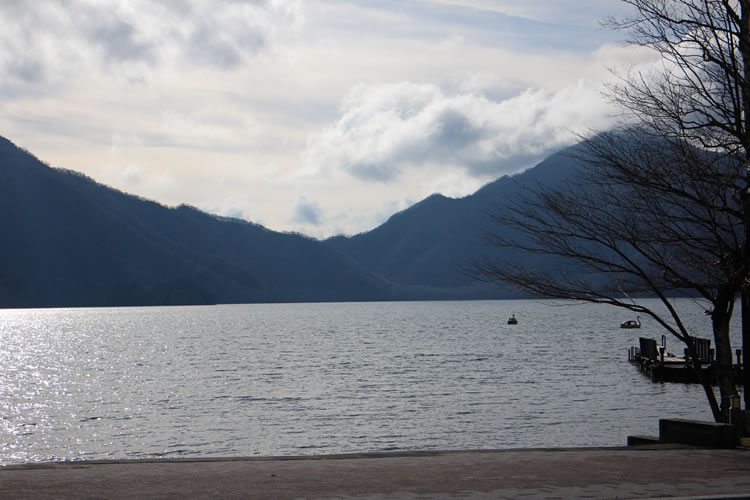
634	221
661	205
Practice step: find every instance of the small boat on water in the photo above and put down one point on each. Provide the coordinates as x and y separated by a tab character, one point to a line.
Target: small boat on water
512	320
631	323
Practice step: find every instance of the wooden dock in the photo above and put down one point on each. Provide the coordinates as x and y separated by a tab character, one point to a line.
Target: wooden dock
654	361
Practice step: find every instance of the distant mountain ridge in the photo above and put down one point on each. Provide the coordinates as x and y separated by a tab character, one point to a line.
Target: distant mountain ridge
431	243
69	241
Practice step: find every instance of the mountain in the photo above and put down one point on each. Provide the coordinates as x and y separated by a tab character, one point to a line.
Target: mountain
69	241
425	248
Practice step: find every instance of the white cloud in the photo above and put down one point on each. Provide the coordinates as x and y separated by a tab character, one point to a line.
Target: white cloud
584	12
242	106
229	206
384	129
53	43
132	175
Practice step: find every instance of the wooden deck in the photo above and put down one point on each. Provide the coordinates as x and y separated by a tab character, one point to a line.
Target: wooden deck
654	361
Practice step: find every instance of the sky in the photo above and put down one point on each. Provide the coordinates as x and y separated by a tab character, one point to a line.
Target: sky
321	117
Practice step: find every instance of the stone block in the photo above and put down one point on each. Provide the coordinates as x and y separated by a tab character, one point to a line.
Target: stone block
698	433
641	440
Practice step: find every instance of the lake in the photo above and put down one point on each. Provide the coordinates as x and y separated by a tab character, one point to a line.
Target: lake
303	379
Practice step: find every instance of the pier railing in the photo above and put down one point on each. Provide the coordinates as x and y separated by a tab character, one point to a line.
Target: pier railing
653	360
703	349
648	348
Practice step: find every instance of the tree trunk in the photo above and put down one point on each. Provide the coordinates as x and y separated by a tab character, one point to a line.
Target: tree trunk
746	344
704	381
724	357
745	194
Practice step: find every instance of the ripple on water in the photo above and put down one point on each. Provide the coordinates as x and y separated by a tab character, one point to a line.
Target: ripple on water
290	379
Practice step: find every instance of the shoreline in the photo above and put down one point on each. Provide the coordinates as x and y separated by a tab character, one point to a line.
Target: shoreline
631	472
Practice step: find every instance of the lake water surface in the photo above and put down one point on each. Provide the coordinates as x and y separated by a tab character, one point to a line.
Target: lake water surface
299	379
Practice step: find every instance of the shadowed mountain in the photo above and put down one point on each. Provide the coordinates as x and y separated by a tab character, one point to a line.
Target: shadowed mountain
66	240
69	241
425	247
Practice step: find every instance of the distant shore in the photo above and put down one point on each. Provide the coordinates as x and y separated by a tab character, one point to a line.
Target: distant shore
634	472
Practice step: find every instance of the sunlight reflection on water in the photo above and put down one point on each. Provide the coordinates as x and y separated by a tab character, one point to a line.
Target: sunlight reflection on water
291	379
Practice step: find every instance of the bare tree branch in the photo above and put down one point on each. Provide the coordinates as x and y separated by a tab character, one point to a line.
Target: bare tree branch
661	204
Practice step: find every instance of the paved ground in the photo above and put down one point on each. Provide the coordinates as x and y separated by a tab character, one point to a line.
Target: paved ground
636	472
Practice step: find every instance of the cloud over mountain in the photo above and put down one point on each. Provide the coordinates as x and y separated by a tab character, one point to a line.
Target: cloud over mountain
306	212
384	129
244	107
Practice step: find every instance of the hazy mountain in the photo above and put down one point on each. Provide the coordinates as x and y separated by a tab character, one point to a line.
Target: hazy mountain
69	241
425	246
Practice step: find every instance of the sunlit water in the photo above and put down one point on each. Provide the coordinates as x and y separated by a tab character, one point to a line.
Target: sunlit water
297	379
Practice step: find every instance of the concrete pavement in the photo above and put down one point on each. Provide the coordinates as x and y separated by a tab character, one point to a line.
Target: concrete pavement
634	472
